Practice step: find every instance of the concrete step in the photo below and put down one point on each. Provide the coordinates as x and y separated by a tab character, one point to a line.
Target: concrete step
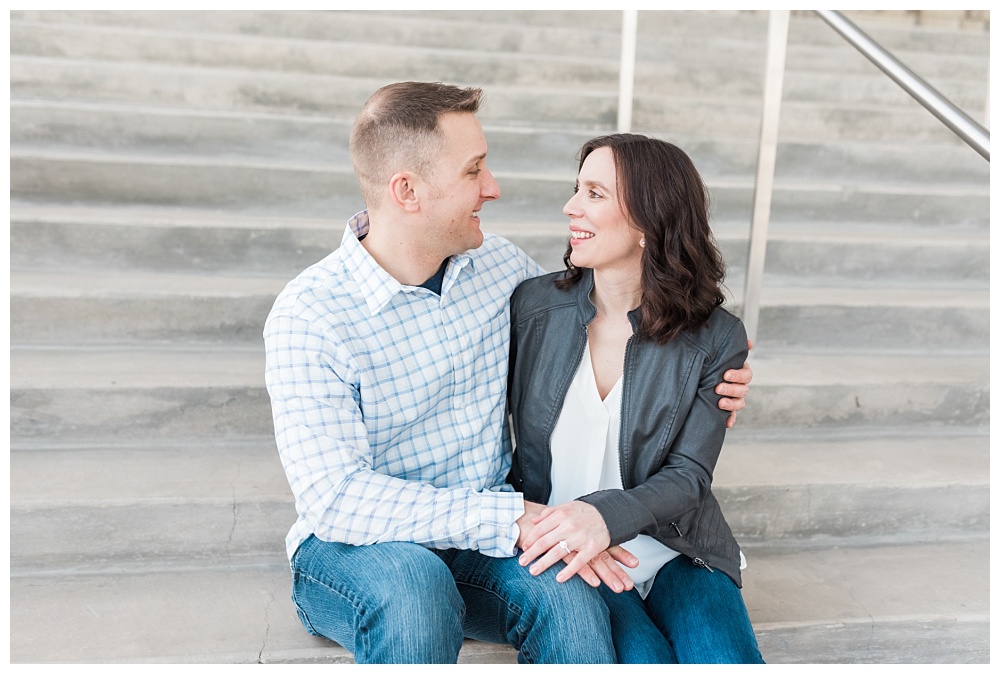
883	604
875	88
124	394
685	67
178	240
832	390
322	57
115	307
595	33
800	121
75	508
873	319
891	604
312	189
553	32
137	392
52	126
168	240
933	55
829	488
593	108
904	30
955	31
801	254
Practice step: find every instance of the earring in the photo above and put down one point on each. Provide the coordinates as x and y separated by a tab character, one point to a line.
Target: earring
642	242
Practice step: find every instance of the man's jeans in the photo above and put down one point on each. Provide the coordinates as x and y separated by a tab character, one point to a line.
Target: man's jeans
691	615
403	603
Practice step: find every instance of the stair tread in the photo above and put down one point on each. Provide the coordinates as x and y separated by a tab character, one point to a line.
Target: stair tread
148	284
220	613
94	113
169	216
141	366
190	472
82	284
746	40
148	157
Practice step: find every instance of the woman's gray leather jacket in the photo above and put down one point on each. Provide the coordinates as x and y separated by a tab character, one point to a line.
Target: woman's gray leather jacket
671	426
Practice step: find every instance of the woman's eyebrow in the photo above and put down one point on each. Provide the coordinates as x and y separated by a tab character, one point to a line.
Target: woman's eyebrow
593	183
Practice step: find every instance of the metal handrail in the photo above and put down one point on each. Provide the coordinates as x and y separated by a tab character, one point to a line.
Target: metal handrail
955	119
964	126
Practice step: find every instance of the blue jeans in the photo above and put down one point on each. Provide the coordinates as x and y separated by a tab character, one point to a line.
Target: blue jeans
403	603
690	616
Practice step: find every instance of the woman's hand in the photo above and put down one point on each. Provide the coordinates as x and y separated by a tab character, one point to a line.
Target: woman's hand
603	569
576	533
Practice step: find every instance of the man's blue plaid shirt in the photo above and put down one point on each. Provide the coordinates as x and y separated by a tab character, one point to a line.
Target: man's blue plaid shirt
389	400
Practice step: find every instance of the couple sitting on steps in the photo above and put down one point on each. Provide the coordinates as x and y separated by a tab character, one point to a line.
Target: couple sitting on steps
478	449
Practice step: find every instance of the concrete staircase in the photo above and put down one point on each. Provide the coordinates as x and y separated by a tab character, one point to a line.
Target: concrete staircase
171	171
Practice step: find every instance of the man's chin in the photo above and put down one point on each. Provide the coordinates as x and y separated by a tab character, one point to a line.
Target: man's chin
475	241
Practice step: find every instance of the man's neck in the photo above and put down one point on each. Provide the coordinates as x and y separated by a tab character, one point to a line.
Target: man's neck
401	257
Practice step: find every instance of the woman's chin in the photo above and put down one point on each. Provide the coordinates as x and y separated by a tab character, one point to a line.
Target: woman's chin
579	260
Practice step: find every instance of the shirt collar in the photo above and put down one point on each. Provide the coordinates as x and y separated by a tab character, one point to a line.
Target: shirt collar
376	284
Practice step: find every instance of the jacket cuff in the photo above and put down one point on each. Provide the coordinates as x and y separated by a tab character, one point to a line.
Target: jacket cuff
625	517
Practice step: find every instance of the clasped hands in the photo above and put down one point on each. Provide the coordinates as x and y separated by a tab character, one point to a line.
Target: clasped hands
586	536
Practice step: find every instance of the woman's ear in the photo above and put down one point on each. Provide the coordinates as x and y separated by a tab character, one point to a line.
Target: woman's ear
402	190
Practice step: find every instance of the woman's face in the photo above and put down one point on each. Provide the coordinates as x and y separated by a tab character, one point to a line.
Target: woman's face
600	234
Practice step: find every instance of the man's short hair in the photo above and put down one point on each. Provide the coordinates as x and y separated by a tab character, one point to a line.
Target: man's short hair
397	130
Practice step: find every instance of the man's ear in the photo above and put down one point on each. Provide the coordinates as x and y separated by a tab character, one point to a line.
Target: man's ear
402	189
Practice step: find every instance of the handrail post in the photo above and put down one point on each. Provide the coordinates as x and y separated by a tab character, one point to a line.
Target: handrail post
626	72
774	75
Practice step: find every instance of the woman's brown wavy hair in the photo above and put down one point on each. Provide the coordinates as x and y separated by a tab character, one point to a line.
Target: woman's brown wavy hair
663	196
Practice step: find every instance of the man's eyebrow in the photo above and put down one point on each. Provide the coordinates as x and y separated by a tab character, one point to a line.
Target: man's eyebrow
475	160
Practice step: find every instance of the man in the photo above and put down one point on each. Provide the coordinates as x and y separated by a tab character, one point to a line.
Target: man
386	367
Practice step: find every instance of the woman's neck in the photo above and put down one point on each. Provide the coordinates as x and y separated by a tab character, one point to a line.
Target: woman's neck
616	292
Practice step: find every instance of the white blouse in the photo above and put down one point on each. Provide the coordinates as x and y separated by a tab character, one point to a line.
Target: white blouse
585	459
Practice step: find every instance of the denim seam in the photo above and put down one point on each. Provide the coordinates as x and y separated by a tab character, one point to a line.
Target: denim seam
359	609
492	589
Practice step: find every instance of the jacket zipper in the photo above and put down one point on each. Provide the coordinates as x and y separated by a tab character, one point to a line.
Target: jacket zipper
698	561
621	417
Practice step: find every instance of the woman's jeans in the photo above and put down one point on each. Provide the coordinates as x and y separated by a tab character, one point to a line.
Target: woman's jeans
691	615
403	603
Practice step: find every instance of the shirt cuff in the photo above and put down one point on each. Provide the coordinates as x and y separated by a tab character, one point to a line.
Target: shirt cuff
498	531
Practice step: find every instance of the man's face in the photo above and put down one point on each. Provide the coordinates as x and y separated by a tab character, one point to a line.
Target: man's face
459	185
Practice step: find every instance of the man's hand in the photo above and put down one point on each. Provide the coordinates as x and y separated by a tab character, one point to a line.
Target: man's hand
734	390
526	522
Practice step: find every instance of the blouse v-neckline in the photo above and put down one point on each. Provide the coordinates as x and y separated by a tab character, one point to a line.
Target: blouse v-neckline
614	394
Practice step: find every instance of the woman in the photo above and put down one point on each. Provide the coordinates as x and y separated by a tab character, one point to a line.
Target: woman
613	368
